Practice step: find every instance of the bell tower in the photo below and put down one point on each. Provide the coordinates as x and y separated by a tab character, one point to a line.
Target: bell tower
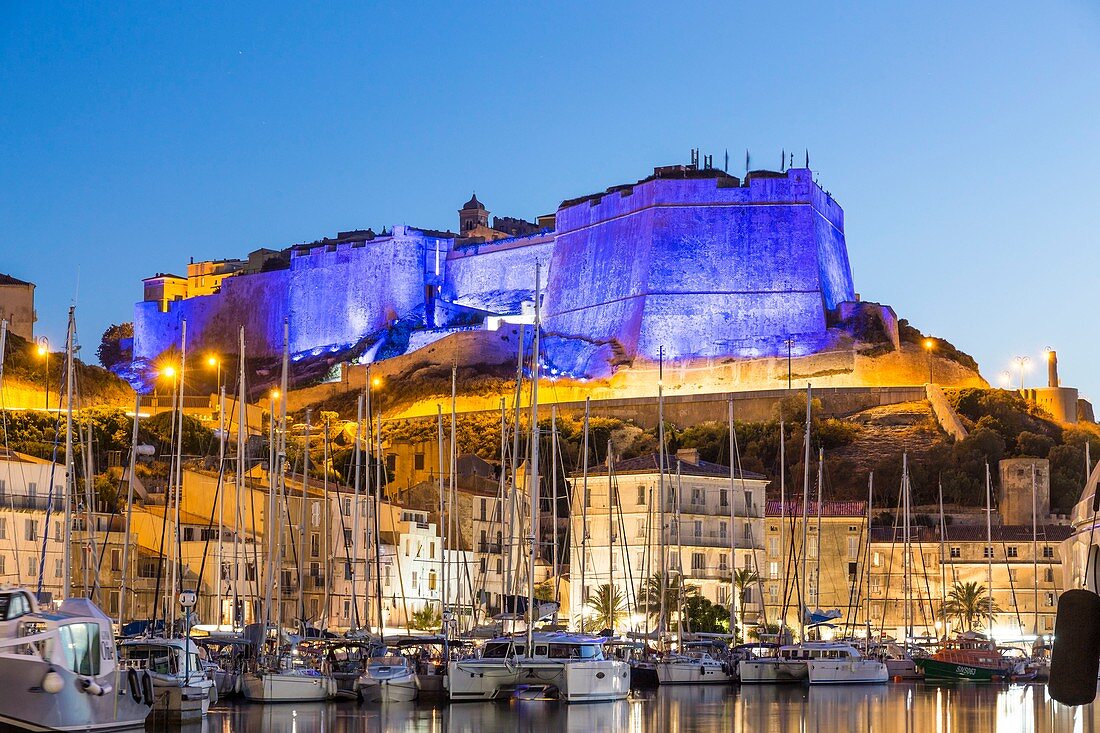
472	215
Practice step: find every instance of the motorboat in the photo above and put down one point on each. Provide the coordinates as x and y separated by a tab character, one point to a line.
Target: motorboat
223	656
695	664
844	664
344	663
288	684
559	665
968	656
788	665
182	686
388	678
58	670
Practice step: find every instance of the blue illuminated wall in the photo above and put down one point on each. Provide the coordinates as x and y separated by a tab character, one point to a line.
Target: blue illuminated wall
699	266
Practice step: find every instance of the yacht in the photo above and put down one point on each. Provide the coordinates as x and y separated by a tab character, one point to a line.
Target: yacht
563	666
695	665
790	664
58	670
388	678
181	683
843	664
289	678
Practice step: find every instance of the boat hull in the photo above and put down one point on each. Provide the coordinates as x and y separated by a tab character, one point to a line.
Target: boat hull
846	671
689	673
24	705
280	687
403	688
597	681
935	669
769	671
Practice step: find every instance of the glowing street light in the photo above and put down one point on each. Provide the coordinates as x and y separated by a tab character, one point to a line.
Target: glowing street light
214	362
376	382
169	372
1006	379
275	395
43	349
1022	363
929	346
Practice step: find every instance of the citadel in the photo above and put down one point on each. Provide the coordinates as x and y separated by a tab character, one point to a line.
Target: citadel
688	263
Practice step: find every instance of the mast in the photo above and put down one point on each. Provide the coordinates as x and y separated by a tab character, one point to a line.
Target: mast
867	558
817	555
554	507
442	529
584	503
303	513
803	581
280	458
1035	547
906	581
511	572
456	587
989	544
129	502
662	617
378	528
533	529
943	538
679	560
327	525
355	511
782	526
733	525
67	535
221	496
177	570
238	497
610	535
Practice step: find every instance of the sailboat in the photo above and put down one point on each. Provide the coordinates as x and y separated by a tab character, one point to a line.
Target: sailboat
538	665
58	670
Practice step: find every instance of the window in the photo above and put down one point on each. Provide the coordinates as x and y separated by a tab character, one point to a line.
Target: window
876	559
112	601
431	580
347	509
418	462
314	608
773	570
723	562
641	496
852	569
484	515
876	583
32	490
80	647
746	531
250	571
811	550
315	570
987	551
58	567
1049	600
587	496
812	589
285	579
722	529
697	497
956	552
3	490
723	498
773	546
315	513
347	538
698	561
30	530
32	566
314	544
853	528
748	499
347	608
347	573
1048	551
698	528
853	548
1012	552
773	593
3	562
116	560
188	534
3	528
148	568
226	570
57	531
1048	575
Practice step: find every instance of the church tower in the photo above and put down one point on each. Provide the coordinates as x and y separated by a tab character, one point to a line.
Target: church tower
472	215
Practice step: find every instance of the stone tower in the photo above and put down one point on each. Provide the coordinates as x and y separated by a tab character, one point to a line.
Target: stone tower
1014	504
472	215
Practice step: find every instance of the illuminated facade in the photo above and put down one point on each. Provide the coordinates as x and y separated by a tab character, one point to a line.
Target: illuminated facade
692	261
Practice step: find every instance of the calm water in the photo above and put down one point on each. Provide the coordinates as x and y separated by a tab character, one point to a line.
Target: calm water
801	709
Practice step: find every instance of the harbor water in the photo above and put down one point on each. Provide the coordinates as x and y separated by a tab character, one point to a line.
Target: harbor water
891	708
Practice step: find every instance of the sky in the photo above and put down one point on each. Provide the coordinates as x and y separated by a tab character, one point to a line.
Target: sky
961	139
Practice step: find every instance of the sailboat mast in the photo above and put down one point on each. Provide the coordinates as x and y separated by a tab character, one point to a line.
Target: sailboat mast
221	499
584	503
662	617
238	496
67	535
554	507
782	525
1035	546
820	503
280	458
356	510
442	529
907	577
803	582
733	524
303	513
867	557
129	501
610	535
533	529
455	586
511	569
989	546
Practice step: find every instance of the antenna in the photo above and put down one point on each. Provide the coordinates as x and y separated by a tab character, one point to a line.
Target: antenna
783	160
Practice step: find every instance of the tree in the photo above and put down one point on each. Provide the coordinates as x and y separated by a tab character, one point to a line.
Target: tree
607	606
702	616
743	580
676	593
111	351
969	604
426	619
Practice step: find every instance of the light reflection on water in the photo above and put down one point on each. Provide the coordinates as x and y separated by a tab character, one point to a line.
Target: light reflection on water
900	708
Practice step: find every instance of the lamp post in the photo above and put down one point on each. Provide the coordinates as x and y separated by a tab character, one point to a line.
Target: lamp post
929	346
1006	379
1021	364
789	343
43	350
215	363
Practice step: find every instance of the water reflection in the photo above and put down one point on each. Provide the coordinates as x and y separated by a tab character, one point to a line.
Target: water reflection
904	708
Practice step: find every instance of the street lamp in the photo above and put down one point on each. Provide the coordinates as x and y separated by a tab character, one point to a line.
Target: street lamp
929	346
1022	364
215	363
1006	379
43	350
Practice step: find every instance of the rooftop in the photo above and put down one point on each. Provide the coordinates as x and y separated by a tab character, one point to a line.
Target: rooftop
9	280
974	533
828	509
651	464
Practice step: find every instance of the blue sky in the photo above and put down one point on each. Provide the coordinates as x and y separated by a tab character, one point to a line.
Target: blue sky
962	139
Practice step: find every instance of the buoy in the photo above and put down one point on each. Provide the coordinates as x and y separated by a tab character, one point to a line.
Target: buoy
134	684
52	682
147	689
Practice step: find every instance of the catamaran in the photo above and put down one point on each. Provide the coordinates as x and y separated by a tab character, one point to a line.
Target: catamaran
844	664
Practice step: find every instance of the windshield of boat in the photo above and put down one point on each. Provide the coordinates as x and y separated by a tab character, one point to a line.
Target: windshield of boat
13	605
80	647
574	651
502	649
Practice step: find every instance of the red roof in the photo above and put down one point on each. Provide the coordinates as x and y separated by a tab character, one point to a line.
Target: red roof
828	509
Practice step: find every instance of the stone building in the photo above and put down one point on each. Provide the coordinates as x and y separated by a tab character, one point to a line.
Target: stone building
17	306
1024	489
833	556
711	525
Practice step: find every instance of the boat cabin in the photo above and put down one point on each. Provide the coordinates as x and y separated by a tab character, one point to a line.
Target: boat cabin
561	647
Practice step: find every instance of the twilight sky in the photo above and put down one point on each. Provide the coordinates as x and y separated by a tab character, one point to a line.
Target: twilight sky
962	139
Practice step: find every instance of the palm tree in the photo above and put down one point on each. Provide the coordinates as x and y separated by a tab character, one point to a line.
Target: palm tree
676	592
607	605
969	603
743	579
